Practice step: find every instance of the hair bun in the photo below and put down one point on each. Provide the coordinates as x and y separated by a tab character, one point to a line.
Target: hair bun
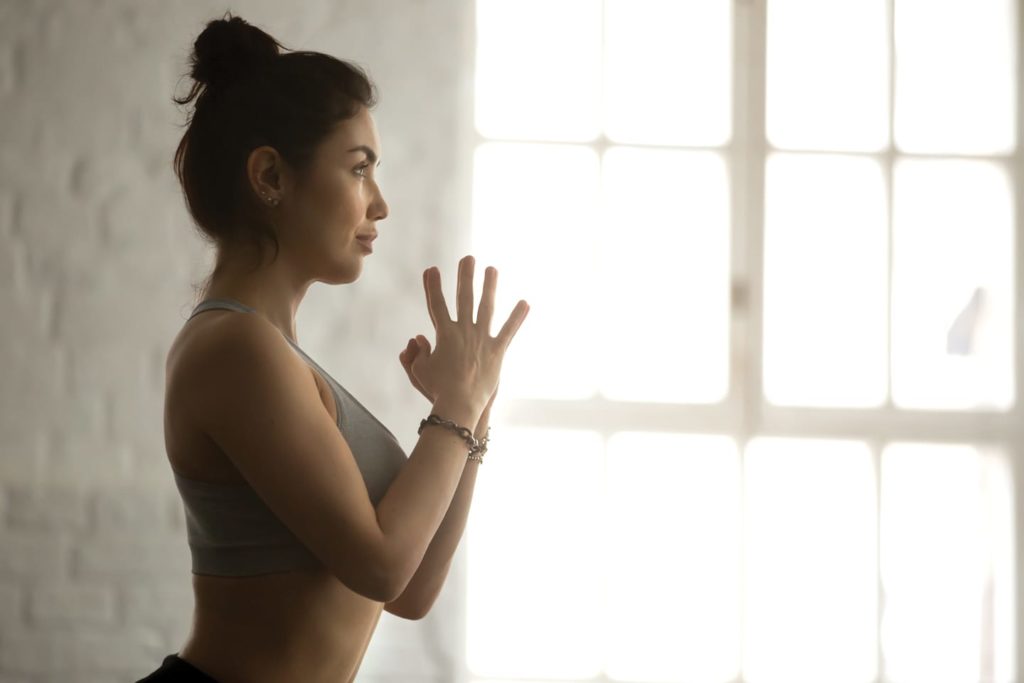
229	49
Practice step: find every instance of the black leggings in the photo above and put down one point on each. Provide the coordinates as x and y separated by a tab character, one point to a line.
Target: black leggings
174	670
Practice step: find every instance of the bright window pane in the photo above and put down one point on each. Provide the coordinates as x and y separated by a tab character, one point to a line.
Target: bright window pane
952	285
825	280
811	609
538	69
673	557
828	74
946	562
668	71
535	541
535	220
665	276
955	75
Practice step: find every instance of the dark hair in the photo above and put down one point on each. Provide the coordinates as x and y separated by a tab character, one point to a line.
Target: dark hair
248	93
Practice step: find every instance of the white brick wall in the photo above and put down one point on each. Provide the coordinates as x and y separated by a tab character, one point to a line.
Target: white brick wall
97	259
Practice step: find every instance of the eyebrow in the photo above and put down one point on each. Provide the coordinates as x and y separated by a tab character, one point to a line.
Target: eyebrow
370	154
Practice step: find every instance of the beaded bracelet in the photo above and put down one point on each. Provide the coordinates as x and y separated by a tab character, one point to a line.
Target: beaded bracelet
477	452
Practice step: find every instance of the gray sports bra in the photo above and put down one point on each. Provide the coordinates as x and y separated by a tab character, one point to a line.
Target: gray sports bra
232	532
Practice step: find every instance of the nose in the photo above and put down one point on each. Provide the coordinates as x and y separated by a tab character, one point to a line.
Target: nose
378	209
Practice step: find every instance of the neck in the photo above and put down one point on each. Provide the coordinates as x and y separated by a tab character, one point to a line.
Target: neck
271	289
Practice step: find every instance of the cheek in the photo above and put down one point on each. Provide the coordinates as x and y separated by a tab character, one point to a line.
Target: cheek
337	197
319	202
352	203
330	206
343	196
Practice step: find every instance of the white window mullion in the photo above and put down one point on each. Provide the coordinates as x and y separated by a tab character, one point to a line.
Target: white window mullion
887	166
1015	449
876	446
749	149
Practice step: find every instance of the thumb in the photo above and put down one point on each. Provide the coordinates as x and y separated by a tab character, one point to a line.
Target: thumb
423	345
419	349
409	355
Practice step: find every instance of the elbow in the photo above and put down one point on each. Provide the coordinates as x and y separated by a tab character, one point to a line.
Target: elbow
376	589
382	593
375	580
415	601
422	609
410	613
396	575
394	585
387	593
410	606
389	582
389	586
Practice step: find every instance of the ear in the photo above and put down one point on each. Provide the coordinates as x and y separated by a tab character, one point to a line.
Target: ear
268	172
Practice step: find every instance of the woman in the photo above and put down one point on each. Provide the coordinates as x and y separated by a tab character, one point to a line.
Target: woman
305	517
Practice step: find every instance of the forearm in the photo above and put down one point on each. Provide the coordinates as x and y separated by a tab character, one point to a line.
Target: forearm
429	578
416	503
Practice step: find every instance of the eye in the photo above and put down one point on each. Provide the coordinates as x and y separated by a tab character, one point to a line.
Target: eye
361	169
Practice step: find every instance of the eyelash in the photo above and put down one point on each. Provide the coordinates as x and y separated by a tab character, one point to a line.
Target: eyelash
362	167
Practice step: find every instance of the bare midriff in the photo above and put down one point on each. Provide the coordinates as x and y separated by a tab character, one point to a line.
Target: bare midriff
294	626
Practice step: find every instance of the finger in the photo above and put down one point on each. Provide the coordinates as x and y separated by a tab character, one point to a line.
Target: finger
486	310
426	292
464	290
435	297
408	354
511	326
424	344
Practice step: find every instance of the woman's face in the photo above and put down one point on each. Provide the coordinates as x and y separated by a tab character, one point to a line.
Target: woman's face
334	208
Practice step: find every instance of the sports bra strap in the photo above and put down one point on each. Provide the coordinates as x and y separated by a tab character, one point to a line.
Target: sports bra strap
231	304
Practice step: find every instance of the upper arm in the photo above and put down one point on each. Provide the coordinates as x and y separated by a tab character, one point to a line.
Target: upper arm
259	402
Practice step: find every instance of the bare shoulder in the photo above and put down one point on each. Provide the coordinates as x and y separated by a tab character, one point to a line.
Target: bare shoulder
213	356
227	343
258	401
242	374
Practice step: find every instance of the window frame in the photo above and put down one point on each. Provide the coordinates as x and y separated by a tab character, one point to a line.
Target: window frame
745	413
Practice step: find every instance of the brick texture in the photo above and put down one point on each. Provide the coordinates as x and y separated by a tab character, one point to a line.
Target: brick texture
97	262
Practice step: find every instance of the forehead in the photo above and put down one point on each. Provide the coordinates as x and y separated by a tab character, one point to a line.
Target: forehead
353	132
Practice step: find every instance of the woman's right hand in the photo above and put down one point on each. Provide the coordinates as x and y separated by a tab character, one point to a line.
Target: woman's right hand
465	363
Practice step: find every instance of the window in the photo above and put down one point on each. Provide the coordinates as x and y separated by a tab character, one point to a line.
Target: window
761	424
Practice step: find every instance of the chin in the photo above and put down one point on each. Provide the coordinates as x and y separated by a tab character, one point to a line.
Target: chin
346	273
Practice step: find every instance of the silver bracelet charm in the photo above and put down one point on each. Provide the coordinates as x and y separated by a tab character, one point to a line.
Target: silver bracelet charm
477	452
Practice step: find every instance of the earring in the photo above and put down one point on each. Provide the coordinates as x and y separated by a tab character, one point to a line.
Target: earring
273	201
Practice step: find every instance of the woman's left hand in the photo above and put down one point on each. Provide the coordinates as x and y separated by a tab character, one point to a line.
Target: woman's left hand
408	355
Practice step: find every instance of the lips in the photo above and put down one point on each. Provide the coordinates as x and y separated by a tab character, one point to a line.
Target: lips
367	240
